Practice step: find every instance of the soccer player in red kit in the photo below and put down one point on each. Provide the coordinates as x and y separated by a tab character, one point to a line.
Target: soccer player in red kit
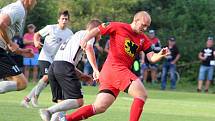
126	41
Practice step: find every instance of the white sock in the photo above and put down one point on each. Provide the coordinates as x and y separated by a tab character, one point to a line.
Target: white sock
40	86
7	86
64	106
32	93
55	116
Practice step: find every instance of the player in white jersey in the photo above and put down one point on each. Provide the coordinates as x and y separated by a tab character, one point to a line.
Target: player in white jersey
54	35
64	80
11	20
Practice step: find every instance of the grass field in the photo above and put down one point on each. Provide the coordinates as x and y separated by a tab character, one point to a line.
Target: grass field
161	106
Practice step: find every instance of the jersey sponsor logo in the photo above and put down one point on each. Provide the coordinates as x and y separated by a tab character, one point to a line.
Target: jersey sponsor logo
130	47
104	25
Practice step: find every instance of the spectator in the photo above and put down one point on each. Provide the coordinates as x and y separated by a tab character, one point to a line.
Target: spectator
31	62
170	64
87	67
18	58
206	56
146	65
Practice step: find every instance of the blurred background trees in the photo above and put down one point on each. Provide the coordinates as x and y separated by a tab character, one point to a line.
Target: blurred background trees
190	21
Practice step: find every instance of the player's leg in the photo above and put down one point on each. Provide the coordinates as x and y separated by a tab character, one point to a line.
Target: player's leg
44	67
139	93
172	71
209	78
66	88
13	80
201	78
42	83
13	83
103	101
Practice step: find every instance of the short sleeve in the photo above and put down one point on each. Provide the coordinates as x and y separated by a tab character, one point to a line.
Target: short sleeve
45	31
107	28
16	15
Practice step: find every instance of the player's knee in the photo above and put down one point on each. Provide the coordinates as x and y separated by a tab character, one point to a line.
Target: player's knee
21	84
100	108
80	102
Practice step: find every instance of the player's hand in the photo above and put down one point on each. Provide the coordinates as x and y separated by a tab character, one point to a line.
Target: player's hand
38	44
87	78
164	52
13	46
28	52
96	75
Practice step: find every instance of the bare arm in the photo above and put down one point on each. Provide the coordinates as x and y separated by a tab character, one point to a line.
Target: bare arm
37	42
4	23
91	57
155	57
93	33
83	76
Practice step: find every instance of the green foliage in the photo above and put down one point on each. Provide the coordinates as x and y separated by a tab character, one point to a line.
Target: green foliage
190	21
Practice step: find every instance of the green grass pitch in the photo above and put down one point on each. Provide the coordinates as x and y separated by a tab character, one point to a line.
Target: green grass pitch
160	106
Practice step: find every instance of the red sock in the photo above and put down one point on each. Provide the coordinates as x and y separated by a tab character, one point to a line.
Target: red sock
81	113
136	109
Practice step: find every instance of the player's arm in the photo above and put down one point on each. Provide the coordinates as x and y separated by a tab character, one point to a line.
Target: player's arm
4	23
37	38
155	57
83	76
93	33
92	59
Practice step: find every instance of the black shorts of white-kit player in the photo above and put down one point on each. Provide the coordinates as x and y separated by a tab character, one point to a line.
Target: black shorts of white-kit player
44	67
64	81
8	66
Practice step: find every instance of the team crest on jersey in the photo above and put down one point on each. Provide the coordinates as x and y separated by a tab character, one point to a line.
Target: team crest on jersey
104	25
130	47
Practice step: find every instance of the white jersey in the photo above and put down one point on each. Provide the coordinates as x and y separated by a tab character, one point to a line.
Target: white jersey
54	37
70	50
16	12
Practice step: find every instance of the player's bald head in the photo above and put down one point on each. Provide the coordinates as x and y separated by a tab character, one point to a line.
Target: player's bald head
93	23
29	4
141	22
142	15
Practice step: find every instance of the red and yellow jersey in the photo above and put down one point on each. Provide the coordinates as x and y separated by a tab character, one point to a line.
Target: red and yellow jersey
125	44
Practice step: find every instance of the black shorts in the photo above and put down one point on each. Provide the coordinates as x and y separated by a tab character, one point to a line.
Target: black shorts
44	67
8	66
64	81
